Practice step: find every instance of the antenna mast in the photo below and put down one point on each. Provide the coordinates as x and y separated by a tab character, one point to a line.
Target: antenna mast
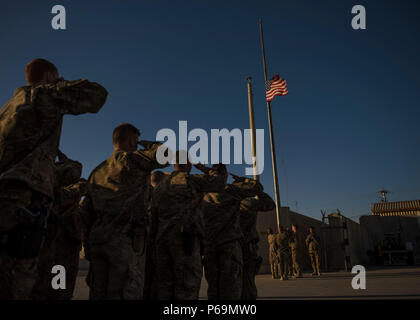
383	192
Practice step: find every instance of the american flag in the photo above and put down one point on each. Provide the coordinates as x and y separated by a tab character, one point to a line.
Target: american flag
275	87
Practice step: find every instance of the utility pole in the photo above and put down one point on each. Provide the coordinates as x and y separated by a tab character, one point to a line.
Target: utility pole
270	124
253	130
383	192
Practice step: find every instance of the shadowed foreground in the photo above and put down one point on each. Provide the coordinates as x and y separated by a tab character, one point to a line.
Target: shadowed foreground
402	282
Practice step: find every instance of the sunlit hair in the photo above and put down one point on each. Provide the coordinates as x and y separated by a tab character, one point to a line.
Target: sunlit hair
36	70
122	132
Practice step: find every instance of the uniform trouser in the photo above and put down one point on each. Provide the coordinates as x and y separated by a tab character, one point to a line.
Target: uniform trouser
66	255
150	280
44	275
178	274
118	268
61	251
314	255
296	264
17	276
250	257
273	263
274	266
223	271
290	265
283	265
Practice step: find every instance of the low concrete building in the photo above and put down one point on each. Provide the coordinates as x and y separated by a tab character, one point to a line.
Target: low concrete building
344	242
404	229
396	208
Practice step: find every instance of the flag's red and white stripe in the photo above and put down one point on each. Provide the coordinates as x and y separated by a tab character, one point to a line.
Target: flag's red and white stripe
275	87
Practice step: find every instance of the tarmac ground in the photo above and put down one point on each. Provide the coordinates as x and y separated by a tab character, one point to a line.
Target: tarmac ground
384	283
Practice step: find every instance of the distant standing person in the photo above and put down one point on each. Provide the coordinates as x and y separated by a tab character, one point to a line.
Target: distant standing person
312	241
283	252
290	273
272	255
294	245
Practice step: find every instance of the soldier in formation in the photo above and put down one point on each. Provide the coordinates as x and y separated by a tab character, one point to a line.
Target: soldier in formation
150	281
30	130
223	259
294	244
134	222
249	209
312	241
177	228
114	214
63	236
290	273
272	253
283	253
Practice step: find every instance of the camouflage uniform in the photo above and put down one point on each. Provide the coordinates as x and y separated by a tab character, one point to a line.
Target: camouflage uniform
150	281
294	244
223	260
272	255
30	129
150	278
114	216
282	244
251	261
176	229
63	235
289	260
312	241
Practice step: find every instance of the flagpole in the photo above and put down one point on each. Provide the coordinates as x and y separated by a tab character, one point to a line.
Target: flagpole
252	127
270	124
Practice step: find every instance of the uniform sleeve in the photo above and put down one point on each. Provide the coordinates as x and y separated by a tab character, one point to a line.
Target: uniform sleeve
70	218
264	202
246	188
67	172
307	239
211	182
88	218
69	195
146	159
78	96
276	240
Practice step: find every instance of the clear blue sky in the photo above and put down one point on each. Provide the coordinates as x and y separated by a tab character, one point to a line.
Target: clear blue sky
349	126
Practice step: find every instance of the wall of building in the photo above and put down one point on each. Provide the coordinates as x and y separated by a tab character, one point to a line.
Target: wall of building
337	250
